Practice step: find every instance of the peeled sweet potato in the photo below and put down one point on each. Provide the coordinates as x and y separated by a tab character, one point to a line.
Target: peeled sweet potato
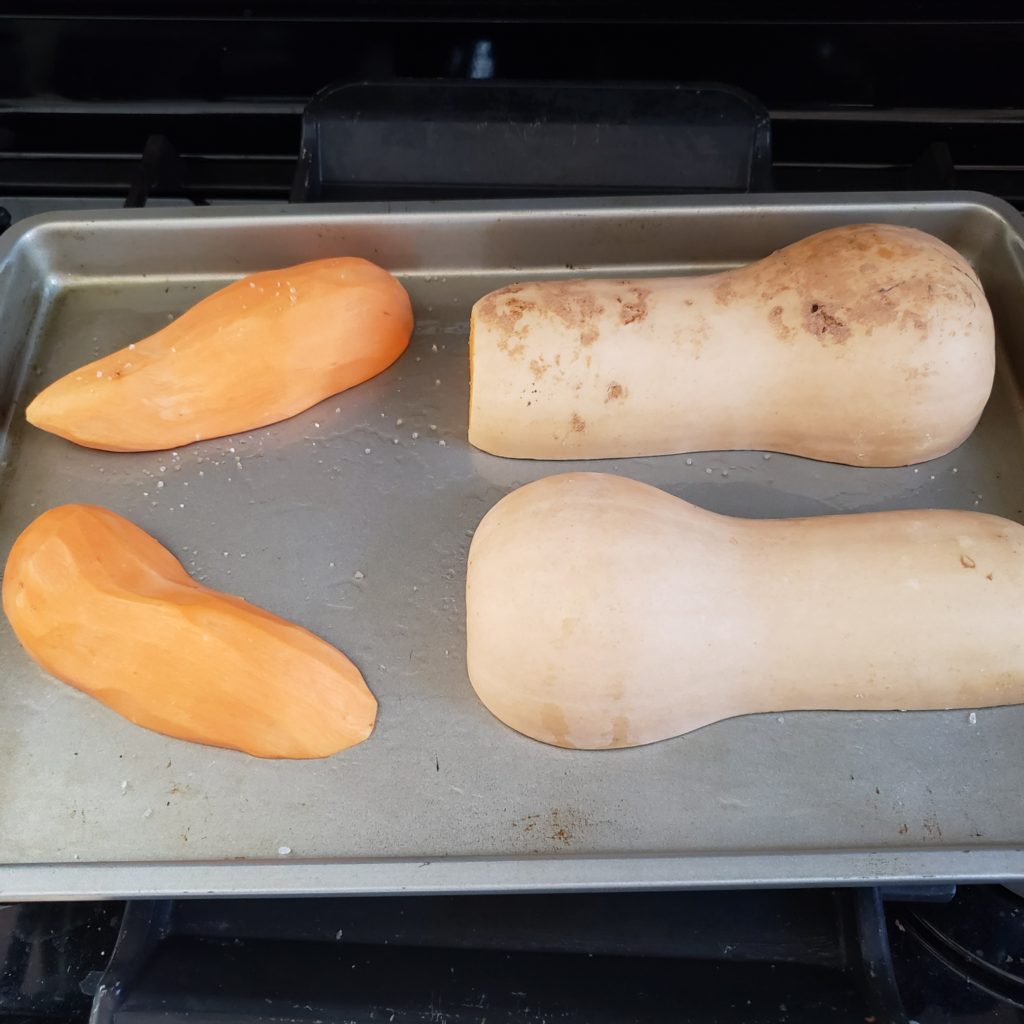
258	351
100	604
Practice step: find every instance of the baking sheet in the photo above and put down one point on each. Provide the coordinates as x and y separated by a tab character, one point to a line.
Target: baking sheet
354	519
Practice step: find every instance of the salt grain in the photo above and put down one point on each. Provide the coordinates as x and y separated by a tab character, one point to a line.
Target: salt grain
972	718
366	451
443	443
415	434
398	422
284	850
357	575
159	483
148	812
99	373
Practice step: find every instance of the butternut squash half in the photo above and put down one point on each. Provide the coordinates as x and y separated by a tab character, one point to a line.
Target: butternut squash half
602	612
258	351
871	345
100	604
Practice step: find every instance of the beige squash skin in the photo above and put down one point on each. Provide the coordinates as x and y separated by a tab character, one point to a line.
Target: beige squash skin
871	345
602	612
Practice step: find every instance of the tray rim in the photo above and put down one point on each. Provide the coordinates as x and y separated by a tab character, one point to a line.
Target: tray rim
515	209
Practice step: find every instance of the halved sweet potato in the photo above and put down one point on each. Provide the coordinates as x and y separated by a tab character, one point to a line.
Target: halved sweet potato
258	351
100	604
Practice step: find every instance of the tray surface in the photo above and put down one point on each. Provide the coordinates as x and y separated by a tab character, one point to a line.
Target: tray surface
354	520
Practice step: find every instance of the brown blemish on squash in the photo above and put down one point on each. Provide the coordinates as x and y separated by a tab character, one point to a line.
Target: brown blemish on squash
577	424
538	367
505	312
909	317
514	351
620	731
853	284
636	308
724	290
782	331
967	562
918	372
988	576
613	392
553	719
571	302
825	324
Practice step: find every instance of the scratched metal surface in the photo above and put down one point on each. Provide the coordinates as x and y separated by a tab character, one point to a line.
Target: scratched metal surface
354	519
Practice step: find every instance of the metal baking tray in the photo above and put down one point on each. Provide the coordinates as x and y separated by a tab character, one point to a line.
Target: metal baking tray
354	519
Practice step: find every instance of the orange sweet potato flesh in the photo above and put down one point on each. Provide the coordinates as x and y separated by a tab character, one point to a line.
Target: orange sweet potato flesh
258	351
100	604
